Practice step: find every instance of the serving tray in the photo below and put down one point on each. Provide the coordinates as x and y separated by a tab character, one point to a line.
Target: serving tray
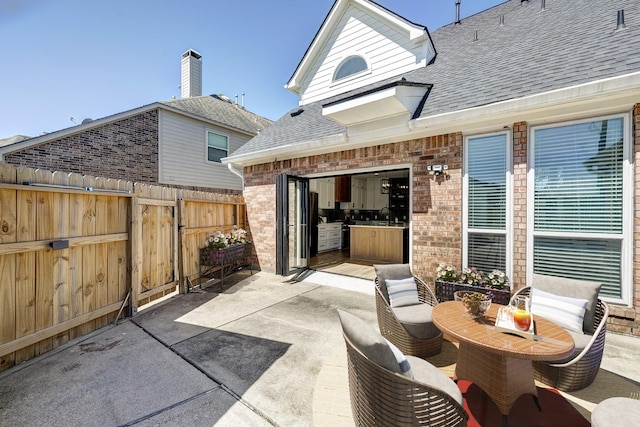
504	323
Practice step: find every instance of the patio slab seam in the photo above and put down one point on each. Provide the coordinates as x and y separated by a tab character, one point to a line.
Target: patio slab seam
170	407
221	384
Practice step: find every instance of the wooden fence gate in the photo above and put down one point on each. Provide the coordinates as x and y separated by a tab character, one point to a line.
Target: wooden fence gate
78	251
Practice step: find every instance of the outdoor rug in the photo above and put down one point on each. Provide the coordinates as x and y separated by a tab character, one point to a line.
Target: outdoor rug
556	410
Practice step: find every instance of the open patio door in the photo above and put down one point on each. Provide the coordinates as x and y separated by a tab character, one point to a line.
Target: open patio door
293	234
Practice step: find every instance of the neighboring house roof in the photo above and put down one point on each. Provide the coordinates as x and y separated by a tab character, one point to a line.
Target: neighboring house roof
222	110
12	140
213	109
570	43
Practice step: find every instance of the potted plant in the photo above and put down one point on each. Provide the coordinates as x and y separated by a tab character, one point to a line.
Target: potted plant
494	284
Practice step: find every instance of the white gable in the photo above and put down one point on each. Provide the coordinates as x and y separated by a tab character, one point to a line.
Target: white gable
390	45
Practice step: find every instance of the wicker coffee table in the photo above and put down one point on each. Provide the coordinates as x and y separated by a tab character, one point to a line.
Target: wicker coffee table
499	363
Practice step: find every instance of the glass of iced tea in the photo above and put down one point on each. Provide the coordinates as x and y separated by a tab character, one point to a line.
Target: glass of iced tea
521	312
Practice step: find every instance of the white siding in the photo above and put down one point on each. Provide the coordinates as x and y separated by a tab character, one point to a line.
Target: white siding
386	49
182	154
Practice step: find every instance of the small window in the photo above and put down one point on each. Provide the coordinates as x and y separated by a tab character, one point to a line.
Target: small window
350	66
217	146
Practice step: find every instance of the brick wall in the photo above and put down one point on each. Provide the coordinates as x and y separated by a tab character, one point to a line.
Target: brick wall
624	319
520	132
126	149
436	219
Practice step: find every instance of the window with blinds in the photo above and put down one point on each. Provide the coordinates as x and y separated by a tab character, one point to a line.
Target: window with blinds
578	202
486	193
217	146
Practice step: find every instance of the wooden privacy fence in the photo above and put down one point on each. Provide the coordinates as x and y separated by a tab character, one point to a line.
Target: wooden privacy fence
76	252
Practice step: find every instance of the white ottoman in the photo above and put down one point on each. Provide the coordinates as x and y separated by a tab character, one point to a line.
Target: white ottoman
616	411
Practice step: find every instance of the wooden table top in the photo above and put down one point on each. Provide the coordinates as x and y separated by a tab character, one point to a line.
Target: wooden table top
552	341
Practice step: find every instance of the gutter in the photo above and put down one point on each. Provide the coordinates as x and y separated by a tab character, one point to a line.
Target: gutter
314	146
236	172
596	97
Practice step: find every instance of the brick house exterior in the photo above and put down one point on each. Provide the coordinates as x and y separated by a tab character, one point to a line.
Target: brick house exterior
161	143
468	89
126	149
436	219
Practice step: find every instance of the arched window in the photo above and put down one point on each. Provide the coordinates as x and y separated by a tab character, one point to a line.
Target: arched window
350	66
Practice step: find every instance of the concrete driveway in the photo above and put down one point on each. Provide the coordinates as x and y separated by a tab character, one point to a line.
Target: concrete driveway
249	356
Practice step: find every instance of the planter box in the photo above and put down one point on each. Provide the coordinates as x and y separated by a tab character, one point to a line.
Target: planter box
217	263
445	290
221	256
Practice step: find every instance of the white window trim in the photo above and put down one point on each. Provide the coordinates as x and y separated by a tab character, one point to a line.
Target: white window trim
206	144
509	204
627	236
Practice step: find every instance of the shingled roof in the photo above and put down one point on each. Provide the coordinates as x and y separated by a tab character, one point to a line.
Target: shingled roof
482	62
220	109
215	109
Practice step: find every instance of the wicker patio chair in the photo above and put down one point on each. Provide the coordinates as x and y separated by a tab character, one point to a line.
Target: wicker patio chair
420	340
382	397
580	369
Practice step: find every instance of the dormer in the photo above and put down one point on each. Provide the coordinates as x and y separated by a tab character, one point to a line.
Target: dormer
359	43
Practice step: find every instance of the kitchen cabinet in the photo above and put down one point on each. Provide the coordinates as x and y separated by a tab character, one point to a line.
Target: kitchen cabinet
379	243
343	188
358	193
326	193
376	200
329	236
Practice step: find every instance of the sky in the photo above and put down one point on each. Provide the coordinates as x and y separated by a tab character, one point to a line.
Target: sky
67	60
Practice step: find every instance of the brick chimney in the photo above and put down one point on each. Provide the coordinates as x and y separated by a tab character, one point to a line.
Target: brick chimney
191	74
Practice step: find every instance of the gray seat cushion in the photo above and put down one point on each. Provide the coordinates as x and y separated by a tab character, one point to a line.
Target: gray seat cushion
575	289
386	272
428	374
417	321
581	342
368	341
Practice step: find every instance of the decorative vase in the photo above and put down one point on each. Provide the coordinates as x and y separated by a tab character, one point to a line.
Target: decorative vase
445	291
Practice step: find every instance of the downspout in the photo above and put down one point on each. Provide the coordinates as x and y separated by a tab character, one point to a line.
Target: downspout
236	172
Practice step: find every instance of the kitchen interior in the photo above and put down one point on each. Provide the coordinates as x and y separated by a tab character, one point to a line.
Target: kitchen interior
358	220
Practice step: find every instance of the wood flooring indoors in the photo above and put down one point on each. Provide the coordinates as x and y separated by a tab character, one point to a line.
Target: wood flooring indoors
339	262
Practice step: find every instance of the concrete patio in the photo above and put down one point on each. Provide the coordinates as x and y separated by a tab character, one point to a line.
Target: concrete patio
264	352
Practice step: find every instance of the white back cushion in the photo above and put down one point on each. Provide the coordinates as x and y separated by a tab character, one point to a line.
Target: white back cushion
565	311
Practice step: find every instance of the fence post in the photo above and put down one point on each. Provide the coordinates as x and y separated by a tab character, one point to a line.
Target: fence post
136	253
182	284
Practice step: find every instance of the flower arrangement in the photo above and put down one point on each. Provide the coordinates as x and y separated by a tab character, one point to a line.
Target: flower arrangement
218	239
471	276
449	281
446	273
497	280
